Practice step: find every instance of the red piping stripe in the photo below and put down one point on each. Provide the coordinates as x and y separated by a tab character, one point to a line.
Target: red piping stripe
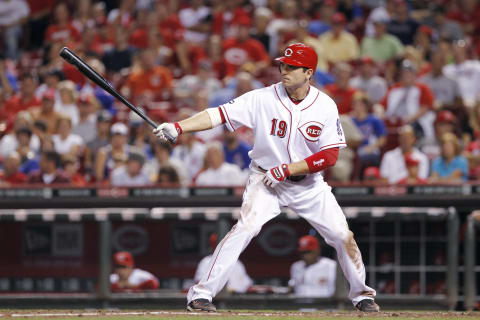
318	93
290	132
221	115
223	242
228	118
333	145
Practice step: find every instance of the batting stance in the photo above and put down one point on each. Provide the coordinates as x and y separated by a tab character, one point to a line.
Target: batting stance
297	135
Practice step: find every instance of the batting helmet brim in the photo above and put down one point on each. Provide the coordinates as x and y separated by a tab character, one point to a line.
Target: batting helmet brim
292	62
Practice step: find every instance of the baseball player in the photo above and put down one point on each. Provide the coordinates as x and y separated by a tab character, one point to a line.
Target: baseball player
297	135
312	276
127	278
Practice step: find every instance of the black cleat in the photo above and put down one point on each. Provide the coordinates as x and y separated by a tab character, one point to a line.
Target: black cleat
367	305
201	305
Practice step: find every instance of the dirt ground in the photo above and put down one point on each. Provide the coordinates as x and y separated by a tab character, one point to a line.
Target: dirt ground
246	314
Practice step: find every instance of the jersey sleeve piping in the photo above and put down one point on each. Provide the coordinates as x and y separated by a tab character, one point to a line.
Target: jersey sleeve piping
229	123
318	93
335	145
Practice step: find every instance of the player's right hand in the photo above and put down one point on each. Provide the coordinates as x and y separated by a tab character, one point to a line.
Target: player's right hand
168	131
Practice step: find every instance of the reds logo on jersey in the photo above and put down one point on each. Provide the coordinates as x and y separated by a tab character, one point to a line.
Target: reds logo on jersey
311	130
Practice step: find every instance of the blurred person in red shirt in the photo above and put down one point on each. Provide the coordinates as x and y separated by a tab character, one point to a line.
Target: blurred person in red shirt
412	165
149	79
11	174
472	153
25	99
49	172
340	91
242	49
409	102
62	29
225	19
71	166
39	20
127	278
372	175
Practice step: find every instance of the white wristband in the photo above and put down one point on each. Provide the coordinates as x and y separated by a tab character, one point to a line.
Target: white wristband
215	117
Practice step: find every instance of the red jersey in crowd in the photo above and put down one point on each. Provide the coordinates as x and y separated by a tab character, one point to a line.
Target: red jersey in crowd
236	53
66	34
17	103
343	97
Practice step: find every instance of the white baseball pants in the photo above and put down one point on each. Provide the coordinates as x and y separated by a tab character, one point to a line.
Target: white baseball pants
311	200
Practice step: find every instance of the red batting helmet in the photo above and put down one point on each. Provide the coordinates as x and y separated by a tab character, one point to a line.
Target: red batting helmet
299	55
123	258
308	243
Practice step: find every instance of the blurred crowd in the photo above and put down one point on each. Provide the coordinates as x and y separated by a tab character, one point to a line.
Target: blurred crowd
404	74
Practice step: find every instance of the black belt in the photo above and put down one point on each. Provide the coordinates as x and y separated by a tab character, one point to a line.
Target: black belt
291	178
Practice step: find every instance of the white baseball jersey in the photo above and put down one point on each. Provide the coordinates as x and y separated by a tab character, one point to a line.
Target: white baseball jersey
136	278
239	280
316	280
285	132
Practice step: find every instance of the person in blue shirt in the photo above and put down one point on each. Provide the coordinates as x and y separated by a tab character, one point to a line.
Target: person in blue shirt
372	129
451	166
236	151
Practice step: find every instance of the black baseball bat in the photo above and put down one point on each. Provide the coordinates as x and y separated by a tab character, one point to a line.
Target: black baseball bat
91	74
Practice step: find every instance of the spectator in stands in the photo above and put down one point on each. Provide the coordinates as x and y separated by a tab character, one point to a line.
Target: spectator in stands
261	19
101	97
66	142
102	139
393	167
340	91
243	49
472	153
51	79
445	28
186	87
383	12
71	167
312	276
61	30
25	99
168	175
339	44
67	104
239	281
344	167
322	17
444	88
281	25
242	83
445	121
87	121
162	151
368	81
11	174
401	24
409	101
381	46
121	55
117	149
24	149
190	153
10	141
150	79
127	278
302	36
217	172
372	175
82	17
225	18
467	74
133	173
49	172
451	166
372	129
46	112
13	16
412	165
236	151
196	20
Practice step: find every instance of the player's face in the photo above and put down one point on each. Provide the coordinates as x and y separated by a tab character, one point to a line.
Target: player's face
294	77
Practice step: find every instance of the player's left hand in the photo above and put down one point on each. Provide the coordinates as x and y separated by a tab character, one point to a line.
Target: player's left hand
275	175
